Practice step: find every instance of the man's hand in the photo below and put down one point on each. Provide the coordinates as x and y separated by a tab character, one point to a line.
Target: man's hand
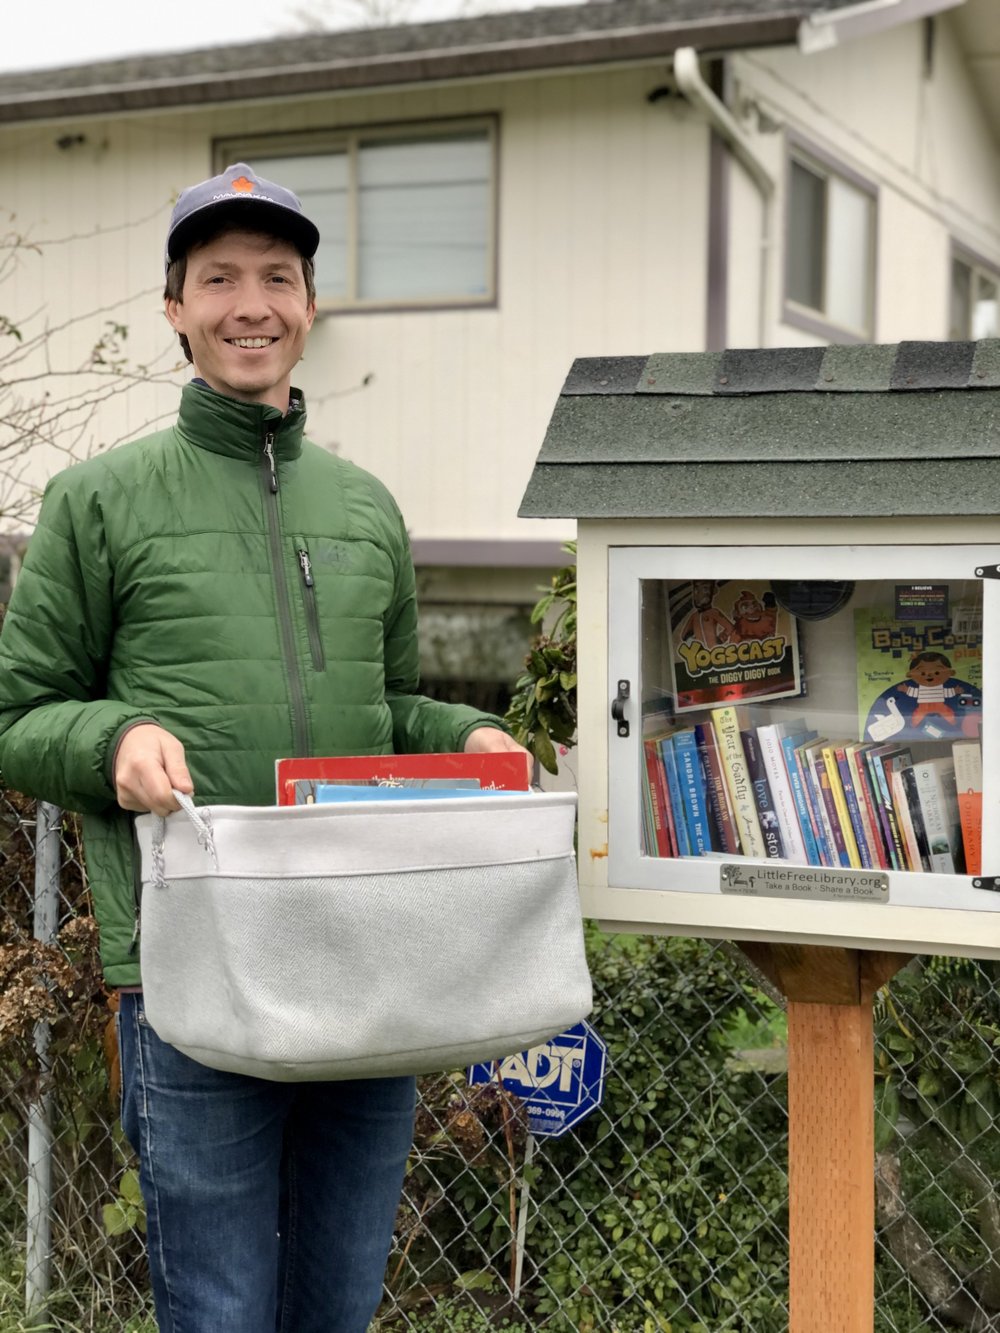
490	740
149	762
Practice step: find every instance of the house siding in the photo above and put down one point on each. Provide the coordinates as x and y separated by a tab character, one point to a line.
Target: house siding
603	208
602	219
921	138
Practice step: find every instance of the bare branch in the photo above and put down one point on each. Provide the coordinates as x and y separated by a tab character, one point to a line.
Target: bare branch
53	400
327	15
944	1285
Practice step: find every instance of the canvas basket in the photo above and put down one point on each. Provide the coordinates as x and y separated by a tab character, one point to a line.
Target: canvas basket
362	940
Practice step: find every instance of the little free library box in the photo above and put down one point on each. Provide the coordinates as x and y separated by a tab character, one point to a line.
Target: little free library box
789	641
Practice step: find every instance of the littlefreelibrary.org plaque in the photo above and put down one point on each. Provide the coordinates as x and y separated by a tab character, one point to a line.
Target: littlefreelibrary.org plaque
815	882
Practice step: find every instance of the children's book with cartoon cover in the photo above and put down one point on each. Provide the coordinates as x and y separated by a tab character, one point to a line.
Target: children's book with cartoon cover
731	642
919	679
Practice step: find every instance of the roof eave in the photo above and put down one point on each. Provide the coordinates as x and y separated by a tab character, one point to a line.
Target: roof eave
447	63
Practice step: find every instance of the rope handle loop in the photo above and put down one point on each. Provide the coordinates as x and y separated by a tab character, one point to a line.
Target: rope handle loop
202	823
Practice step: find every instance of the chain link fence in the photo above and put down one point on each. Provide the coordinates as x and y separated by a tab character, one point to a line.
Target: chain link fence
663	1211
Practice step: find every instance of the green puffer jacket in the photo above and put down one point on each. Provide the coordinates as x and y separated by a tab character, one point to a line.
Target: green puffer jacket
233	582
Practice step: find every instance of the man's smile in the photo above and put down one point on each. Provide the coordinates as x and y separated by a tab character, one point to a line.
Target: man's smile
250	342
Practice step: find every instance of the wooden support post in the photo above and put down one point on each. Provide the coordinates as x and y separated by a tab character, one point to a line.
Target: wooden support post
831	1129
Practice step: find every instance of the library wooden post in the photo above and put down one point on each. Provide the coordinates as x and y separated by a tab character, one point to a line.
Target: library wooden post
788	589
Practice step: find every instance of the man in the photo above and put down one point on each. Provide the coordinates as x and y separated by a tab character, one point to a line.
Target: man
193	606
705	622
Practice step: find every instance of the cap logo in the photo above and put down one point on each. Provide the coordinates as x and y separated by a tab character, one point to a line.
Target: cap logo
242	184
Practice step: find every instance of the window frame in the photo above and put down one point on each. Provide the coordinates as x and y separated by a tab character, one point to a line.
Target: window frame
801	151
346	138
978	265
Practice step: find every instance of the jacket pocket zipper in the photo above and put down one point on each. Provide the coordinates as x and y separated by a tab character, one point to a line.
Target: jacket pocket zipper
309	603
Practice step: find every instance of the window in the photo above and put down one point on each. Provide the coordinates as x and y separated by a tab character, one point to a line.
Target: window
406	216
975	307
830	255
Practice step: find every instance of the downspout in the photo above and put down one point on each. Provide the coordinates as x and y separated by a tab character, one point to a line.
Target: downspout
687	73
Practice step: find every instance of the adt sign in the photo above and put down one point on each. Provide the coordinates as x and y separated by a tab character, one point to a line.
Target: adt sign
560	1082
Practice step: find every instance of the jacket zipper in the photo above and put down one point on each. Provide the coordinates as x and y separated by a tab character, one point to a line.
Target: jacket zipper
312	615
269	482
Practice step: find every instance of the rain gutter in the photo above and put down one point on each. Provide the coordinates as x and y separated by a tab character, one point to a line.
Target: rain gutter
821	31
387	68
687	73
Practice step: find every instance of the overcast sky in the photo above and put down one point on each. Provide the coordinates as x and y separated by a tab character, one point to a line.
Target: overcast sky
44	33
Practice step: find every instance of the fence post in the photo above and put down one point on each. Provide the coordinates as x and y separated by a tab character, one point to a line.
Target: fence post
38	1268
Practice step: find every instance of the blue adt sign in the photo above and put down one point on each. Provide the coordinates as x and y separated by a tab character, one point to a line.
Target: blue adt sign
560	1082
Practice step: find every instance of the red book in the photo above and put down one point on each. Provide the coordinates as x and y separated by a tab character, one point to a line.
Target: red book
504	770
662	814
969	783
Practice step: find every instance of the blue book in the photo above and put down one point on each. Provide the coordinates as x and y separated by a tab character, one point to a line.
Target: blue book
328	793
788	746
693	794
676	800
817	827
853	807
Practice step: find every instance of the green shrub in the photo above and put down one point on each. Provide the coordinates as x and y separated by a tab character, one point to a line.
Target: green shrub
675	1199
663	1212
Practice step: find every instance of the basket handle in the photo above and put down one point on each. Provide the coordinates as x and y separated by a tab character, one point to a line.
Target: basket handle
200	819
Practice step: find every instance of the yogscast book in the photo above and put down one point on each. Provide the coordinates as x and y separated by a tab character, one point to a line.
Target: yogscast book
918	679
731	642
297	779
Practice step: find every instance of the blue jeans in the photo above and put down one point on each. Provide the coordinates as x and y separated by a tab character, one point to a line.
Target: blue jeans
269	1206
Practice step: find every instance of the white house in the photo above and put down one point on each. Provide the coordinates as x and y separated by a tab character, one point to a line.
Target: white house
499	195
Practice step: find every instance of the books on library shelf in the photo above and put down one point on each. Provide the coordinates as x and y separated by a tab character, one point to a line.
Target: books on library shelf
904	813
919	678
909	781
668	758
659	837
861	779
880	760
728	787
840	805
766	813
825	804
298	780
727	723
685	801
938	796
692	786
968	757
724	835
770	737
813	801
789	747
730	642
853	800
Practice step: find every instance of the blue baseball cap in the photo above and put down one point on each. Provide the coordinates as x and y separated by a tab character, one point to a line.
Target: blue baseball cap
240	195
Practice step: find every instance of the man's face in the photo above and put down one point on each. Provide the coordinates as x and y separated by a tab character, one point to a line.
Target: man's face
702	593
246	315
748	608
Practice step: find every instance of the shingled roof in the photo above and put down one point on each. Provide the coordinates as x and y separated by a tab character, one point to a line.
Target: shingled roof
881	431
525	40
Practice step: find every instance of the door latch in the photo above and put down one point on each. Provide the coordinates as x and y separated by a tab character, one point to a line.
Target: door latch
618	707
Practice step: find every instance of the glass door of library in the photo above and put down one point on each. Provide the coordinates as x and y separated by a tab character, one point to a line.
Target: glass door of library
820	706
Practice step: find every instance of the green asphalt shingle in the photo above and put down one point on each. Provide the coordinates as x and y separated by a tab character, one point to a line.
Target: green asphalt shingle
869	431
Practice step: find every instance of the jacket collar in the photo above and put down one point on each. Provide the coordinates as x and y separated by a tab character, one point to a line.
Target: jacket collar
225	426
